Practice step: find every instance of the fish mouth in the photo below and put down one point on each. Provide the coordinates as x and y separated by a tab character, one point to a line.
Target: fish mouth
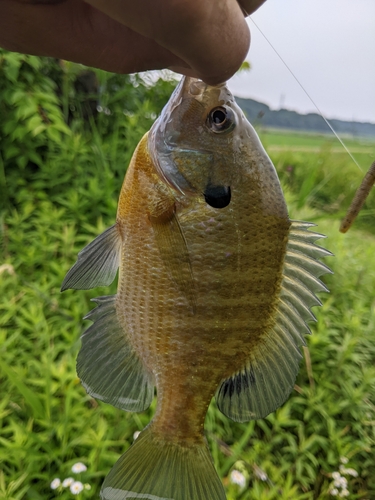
217	196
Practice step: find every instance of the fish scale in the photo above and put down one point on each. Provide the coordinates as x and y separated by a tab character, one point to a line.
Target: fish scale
199	324
214	293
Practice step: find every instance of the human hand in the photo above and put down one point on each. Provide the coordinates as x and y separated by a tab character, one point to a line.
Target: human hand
208	39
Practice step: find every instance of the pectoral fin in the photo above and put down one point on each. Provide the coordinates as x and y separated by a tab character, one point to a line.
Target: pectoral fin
97	263
172	245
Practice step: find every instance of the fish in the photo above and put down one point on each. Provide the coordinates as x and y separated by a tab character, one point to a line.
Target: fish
215	290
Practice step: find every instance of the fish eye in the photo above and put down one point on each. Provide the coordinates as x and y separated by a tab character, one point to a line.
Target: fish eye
220	119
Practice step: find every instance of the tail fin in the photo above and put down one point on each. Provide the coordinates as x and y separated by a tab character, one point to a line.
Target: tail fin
154	470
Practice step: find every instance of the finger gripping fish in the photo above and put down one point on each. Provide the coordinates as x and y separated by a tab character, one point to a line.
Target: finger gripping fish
214	293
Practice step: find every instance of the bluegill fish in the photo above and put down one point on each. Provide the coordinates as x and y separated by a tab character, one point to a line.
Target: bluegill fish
214	293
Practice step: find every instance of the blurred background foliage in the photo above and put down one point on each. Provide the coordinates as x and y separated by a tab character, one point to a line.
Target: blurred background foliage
67	134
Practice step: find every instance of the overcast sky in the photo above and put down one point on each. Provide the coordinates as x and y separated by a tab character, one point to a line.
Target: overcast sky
330	47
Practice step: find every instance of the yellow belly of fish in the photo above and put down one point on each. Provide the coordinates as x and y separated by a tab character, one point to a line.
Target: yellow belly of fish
191	351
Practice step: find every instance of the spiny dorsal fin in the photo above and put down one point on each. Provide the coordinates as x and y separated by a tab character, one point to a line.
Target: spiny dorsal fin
97	263
267	380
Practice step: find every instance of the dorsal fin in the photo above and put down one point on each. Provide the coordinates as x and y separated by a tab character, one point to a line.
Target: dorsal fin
266	381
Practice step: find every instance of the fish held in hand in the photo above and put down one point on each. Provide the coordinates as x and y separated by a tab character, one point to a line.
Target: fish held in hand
214	293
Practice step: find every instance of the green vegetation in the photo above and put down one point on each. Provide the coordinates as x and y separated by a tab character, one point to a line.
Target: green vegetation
261	114
61	168
287	139
320	173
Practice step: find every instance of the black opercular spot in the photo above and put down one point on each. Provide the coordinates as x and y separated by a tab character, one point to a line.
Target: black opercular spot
217	196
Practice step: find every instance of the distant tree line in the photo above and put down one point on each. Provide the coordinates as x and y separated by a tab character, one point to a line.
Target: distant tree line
260	114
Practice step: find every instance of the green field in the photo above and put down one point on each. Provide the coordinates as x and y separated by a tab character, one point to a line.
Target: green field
318	171
304	144
59	190
295	139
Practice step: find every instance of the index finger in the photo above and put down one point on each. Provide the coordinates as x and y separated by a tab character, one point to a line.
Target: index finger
211	36
75	31
250	6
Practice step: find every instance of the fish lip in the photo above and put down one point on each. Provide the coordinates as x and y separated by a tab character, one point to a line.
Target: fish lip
217	196
192	86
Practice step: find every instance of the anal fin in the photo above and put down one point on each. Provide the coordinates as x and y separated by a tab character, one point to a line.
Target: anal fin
264	384
107	365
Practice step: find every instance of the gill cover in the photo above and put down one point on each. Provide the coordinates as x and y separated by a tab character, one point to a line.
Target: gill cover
193	142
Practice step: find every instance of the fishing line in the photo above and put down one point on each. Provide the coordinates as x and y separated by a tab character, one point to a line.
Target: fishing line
307	94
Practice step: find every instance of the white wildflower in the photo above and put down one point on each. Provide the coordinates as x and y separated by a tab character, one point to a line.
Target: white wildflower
341	482
334	492
344	493
344	460
236	477
349	471
352	472
76	487
55	483
79	467
67	482
136	434
336	475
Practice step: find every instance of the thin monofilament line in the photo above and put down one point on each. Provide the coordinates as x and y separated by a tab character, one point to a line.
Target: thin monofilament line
307	94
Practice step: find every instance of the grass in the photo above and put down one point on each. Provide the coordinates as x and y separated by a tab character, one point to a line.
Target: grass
292	140
48	422
321	173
